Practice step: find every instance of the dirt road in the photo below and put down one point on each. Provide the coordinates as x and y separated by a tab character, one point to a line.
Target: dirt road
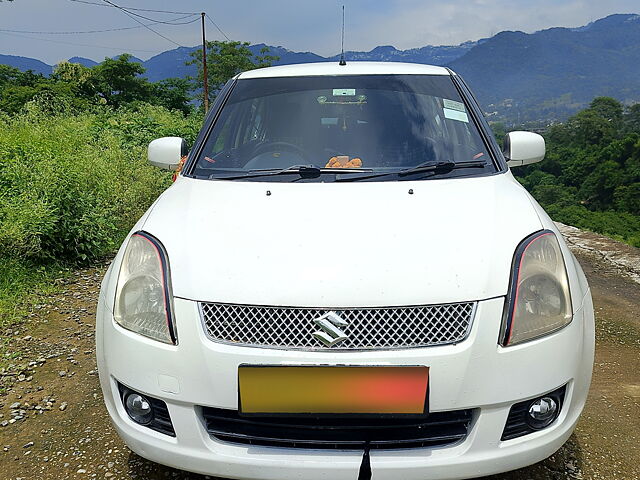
53	424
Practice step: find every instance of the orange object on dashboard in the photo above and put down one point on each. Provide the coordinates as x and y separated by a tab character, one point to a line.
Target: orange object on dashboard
174	177
342	161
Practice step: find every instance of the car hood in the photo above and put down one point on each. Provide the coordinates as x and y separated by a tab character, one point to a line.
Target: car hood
342	244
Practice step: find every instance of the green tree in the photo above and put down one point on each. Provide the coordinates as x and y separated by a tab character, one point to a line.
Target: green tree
559	195
17	88
632	118
172	93
499	131
118	81
608	108
9	74
627	198
225	60
588	127
72	73
13	97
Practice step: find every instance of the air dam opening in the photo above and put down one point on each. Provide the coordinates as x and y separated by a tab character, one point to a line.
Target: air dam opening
339	432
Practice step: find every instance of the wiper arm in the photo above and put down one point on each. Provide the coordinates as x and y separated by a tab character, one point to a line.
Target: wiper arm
305	171
441	167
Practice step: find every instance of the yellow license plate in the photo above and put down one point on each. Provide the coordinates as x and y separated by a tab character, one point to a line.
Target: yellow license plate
332	389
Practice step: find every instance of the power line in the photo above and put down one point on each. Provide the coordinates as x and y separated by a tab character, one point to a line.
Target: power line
68	33
76	44
136	9
216	25
143	24
96	31
130	10
155	20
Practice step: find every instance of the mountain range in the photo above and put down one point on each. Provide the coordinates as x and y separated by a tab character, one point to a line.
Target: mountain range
545	75
554	72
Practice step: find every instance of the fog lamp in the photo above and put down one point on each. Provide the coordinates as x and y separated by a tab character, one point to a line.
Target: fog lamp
138	408
542	412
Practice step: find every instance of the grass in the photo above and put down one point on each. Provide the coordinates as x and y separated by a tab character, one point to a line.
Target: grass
22	285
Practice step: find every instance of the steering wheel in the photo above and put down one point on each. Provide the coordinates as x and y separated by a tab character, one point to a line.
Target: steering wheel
275	146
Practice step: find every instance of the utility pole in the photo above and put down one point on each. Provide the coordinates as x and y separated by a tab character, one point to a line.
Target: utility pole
204	67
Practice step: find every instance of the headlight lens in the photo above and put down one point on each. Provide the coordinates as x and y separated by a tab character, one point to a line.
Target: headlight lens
539	301
144	303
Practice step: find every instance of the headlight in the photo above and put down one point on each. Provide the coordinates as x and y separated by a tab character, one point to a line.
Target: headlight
144	303
539	301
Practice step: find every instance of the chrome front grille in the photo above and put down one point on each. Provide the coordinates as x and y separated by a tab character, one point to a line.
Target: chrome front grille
367	328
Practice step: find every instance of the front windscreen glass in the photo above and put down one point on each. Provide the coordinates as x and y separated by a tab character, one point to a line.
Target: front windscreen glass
341	124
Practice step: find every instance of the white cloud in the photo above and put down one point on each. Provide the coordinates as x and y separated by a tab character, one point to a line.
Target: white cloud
419	23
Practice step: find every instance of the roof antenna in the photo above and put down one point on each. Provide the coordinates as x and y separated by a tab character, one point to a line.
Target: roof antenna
342	60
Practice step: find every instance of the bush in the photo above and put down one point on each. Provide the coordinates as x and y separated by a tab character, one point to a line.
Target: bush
71	186
622	226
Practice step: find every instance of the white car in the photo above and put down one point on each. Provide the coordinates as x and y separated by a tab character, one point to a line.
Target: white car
345	281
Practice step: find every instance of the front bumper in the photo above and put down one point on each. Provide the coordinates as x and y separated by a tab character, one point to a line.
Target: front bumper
475	374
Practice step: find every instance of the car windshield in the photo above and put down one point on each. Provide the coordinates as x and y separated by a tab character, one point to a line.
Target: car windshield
339	125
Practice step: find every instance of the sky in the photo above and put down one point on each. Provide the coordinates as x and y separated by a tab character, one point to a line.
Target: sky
300	25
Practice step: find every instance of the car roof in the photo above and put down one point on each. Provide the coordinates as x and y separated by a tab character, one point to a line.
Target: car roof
351	68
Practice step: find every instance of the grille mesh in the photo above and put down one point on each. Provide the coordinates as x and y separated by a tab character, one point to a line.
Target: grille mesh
368	328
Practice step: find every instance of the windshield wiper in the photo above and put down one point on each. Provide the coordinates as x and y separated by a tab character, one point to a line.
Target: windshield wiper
441	167
305	171
436	168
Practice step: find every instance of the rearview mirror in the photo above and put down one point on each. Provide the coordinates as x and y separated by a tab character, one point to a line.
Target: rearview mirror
523	148
166	152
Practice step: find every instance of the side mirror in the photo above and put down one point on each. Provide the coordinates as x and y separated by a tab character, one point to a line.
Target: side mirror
523	148
166	152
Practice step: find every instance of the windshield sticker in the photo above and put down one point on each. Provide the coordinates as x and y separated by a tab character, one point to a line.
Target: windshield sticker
453	105
344	92
329	121
456	115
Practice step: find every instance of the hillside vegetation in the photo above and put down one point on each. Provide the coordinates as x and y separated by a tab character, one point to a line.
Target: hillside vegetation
72	185
73	173
590	177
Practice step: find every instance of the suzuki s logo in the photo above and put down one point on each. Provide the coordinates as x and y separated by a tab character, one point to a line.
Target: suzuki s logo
329	333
